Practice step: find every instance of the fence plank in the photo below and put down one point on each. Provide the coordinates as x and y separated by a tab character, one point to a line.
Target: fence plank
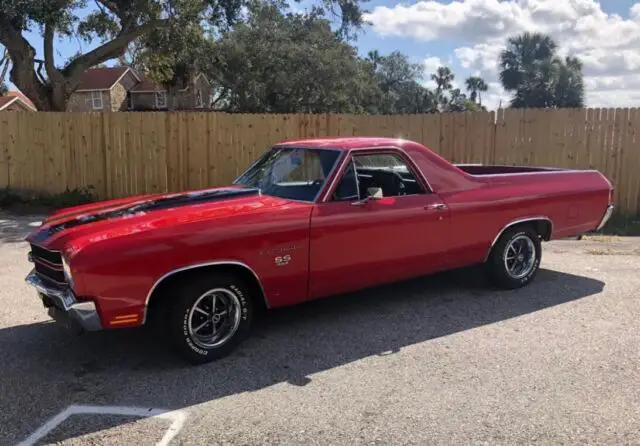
123	153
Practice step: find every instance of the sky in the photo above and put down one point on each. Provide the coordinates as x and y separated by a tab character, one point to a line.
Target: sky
468	35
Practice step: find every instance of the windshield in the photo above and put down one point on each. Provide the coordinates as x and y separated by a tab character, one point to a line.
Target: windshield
291	172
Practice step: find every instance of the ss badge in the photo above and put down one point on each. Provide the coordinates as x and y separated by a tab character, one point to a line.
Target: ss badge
282	260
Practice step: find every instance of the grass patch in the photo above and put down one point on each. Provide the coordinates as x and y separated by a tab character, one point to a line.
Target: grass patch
28	202
612	252
618	225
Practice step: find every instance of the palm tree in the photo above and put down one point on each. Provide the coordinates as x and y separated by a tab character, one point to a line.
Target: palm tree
526	68
569	87
476	85
443	78
531	70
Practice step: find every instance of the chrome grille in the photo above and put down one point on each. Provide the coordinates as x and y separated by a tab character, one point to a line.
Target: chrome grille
48	264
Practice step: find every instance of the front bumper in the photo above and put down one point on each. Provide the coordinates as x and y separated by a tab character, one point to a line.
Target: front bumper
605	218
63	306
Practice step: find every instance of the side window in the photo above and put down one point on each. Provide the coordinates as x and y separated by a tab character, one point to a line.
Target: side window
347	188
388	172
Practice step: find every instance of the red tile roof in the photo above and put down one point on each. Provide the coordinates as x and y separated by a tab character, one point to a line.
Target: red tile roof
147	85
13	96
101	78
22	97
4	101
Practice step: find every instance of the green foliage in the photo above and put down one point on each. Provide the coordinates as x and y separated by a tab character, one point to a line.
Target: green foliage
476	86
539	78
443	77
624	225
167	39
26	200
285	63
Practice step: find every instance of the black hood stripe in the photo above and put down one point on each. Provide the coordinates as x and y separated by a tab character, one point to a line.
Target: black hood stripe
173	201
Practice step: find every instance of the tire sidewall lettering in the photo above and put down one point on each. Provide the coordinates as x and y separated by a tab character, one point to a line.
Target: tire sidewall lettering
185	321
243	301
185	332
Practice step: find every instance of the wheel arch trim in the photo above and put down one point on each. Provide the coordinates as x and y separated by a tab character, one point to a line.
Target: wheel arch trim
517	222
202	265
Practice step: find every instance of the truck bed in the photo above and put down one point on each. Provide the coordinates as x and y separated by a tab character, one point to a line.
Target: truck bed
488	169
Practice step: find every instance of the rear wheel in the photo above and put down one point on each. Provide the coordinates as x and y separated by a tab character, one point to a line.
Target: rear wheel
515	258
208	317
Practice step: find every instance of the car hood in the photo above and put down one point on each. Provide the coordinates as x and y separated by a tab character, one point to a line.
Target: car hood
115	218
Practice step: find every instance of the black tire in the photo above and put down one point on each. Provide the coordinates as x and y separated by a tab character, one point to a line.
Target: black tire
182	300
496	266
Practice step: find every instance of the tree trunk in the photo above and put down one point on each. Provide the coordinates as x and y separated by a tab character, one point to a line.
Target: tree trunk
53	93
171	91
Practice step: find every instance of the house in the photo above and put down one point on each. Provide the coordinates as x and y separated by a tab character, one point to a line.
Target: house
103	89
16	101
149	96
122	89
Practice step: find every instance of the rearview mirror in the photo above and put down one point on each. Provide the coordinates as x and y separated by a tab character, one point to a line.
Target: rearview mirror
373	193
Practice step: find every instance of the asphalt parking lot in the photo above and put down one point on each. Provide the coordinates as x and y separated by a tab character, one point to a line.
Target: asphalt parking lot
438	360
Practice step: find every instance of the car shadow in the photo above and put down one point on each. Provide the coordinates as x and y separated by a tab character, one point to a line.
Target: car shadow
130	367
15	228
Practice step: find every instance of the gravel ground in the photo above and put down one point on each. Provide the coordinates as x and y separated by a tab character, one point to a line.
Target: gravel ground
439	360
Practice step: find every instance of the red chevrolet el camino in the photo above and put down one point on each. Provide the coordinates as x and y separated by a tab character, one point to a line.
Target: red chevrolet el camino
308	219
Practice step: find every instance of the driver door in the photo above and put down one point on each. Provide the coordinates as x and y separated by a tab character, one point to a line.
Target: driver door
355	244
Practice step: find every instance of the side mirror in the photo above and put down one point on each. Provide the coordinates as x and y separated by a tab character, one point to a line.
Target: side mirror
373	193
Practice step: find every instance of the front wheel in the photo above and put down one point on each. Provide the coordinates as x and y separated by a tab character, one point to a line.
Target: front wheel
515	258
209	316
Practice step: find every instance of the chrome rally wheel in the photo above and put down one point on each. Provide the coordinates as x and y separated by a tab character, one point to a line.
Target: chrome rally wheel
515	258
214	318
519	256
210	315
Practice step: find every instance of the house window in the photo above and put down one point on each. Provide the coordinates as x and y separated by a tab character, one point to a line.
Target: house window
161	99
198	98
96	100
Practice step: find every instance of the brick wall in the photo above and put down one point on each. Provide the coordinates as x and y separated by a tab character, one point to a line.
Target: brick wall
81	102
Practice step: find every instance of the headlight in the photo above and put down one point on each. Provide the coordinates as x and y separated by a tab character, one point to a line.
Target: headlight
67	272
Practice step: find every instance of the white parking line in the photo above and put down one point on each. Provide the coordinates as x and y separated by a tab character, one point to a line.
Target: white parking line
176	416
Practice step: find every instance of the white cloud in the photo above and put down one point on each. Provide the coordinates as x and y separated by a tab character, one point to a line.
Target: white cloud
431	64
608	44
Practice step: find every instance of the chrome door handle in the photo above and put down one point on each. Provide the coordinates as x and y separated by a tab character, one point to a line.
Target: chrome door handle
436	206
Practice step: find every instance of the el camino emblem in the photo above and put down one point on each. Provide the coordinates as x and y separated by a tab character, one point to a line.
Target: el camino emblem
282	260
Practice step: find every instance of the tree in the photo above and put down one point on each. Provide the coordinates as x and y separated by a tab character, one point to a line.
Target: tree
569	87
4	67
280	62
374	57
116	23
476	86
399	82
538	78
443	79
171	56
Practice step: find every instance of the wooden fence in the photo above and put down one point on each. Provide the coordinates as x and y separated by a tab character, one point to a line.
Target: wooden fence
122	154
